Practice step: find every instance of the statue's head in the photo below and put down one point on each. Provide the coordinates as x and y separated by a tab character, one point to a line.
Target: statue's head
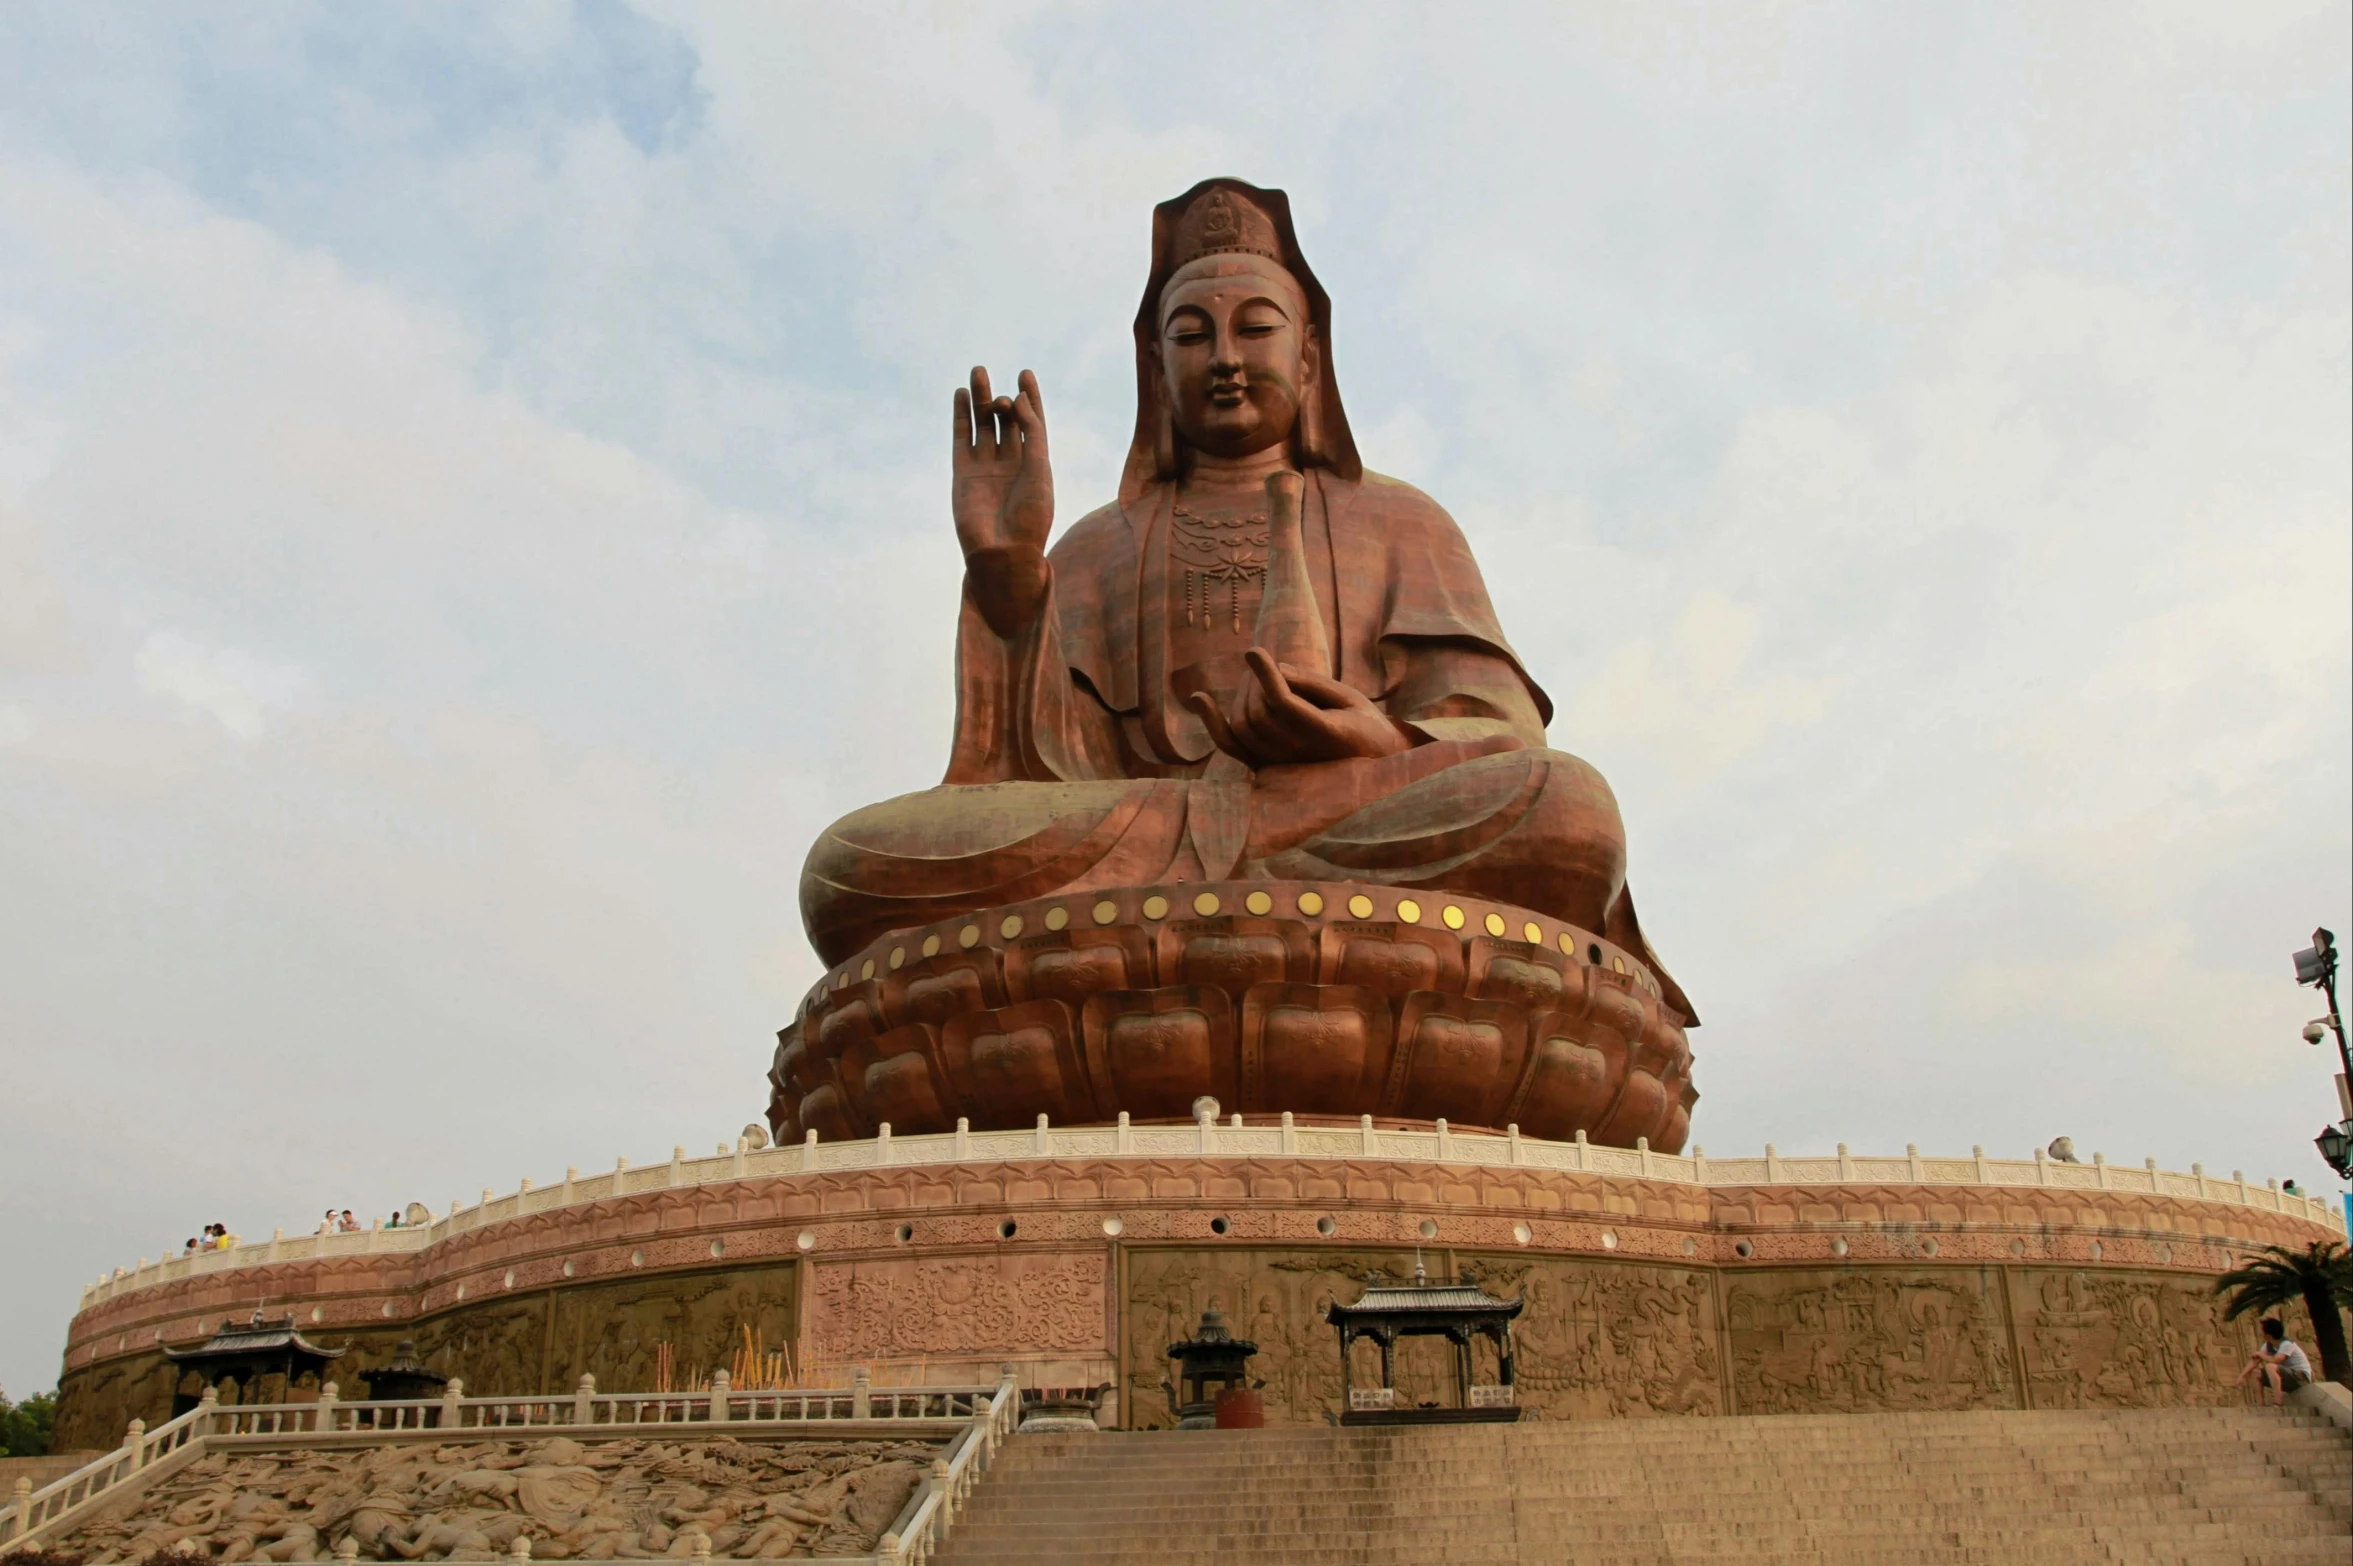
1233	342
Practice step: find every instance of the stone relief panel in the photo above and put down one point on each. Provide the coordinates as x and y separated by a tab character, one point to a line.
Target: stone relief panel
1609	1340
614	1331
498	1348
956	1306
572	1500
96	1403
1850	1341
2095	1339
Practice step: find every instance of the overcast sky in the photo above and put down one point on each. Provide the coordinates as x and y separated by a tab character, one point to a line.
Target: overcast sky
473	505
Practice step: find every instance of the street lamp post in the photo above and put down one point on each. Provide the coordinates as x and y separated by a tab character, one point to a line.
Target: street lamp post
2317	966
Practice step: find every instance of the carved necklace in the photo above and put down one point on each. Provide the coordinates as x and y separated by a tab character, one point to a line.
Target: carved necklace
1231	550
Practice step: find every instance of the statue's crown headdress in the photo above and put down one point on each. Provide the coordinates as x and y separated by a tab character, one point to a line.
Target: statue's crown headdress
1220	223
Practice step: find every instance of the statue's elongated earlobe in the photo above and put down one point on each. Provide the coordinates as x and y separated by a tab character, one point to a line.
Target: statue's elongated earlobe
1311	405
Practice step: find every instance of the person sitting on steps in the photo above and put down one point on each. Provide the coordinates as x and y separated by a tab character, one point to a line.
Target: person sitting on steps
2276	1363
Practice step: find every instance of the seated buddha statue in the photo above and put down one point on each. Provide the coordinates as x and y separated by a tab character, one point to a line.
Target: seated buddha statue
1259	663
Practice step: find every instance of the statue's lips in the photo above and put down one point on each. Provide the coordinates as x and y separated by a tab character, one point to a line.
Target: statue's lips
1230	394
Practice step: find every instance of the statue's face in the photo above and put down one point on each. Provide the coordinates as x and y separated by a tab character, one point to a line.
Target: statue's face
1237	353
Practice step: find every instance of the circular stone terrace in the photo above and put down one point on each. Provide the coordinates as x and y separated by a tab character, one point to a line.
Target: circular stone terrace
1065	1249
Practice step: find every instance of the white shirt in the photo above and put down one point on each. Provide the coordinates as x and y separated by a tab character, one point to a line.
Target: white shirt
2288	1354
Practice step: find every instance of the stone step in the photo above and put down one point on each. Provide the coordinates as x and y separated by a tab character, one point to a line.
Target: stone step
2019	1489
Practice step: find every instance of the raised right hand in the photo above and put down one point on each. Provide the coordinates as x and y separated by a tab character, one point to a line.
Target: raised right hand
1004	488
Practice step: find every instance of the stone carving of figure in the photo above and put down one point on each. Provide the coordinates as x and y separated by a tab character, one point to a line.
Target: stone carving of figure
1121	718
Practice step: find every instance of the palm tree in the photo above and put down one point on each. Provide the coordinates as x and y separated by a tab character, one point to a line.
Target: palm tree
2321	1275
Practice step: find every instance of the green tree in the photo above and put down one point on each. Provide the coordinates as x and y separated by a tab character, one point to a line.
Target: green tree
25	1426
2321	1275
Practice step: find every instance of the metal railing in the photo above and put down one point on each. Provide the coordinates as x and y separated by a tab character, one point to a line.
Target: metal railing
1213	1139
979	1417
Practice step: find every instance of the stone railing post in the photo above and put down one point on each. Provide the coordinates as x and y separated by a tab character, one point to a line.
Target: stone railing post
1912	1152
1290	1135
862	1393
1984	1175
677	1166
1772	1162
1122	1139
571	1174
323	1414
277	1238
134	1443
809	1150
1846	1166
945	1489
2100	1169
520	1550
882	1143
1045	1141
1582	1162
1511	1142
963	1138
1372	1148
1642	1152
348	1550
24	1504
2198	1173
207	1405
887	1548
718	1414
2042	1167
584	1401
1445	1141
739	1155
453	1399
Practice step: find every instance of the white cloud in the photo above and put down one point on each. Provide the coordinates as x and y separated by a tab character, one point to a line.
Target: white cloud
240	691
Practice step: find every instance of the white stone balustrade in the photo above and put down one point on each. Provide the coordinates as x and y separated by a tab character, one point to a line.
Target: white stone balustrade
1268	1139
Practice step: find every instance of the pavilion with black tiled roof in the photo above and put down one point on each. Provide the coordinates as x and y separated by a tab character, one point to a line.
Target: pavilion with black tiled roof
1457	1312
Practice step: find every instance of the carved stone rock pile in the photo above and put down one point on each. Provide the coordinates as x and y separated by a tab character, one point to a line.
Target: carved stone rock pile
573	1500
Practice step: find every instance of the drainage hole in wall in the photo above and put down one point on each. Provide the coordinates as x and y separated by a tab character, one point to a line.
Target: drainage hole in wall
1838	1247
1522	1233
1609	1239
1928	1246
637	1258
568	1269
1690	1246
1429	1229
906	1233
1007	1229
1327	1226
1218	1226
1113	1227
1743	1249
718	1249
2018	1247
807	1240
510	1277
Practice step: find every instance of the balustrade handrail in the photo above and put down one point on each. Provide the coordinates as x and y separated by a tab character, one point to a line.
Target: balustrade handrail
922	1527
1282	1139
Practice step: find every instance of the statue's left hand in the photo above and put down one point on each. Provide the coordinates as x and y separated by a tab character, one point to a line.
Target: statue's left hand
1286	714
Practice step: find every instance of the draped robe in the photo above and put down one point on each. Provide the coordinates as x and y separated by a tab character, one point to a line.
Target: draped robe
1076	765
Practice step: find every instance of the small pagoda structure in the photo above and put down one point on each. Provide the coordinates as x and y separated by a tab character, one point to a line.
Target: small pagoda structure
1457	1312
245	1354
1211	1363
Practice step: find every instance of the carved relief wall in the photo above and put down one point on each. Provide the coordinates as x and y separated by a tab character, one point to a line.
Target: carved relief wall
2096	1339
1608	1340
1597	1339
611	1330
1836	1341
960	1306
507	1347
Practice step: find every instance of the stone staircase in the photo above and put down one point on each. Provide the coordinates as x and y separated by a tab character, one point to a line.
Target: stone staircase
2237	1485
